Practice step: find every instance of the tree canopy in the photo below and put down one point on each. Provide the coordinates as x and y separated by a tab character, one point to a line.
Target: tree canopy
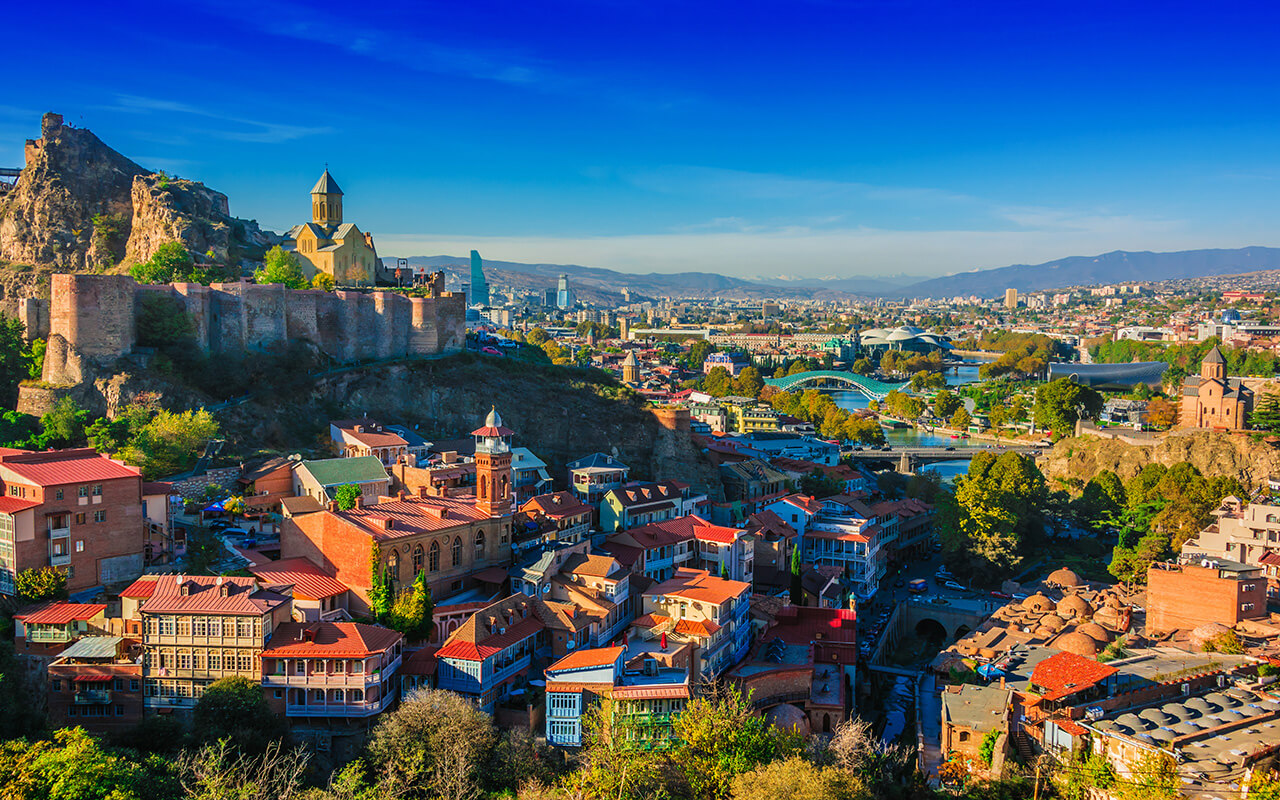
281	266
1060	403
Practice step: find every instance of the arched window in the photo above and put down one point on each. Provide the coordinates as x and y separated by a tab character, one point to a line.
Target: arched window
457	550
480	545
484	484
393	566
434	560
417	560
502	482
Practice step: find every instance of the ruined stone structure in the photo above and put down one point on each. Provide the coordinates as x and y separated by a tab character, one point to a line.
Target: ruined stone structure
92	320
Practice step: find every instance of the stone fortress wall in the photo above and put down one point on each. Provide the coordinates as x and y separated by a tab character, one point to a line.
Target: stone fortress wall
93	318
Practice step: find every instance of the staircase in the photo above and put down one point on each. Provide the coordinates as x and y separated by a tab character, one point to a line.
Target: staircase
1022	743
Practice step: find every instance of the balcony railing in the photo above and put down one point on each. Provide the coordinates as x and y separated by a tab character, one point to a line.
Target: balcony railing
59	560
364	709
88	697
334	679
60	533
48	635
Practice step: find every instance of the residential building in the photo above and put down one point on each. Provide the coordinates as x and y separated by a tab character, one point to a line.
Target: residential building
724	551
316	670
655	550
772	539
164	540
969	713
96	684
907	525
418	448
697	608
751	418
73	509
559	512
796	510
1212	400
1246	533
321	479
48	628
642	503
642	693
733	363
266	483
597	584
850	541
528	474
317	595
358	438
328	245
1182	596
491	653
197	629
590	477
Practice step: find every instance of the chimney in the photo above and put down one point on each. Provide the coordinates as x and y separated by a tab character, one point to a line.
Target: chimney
308	635
359	502
1001	681
333	505
424	492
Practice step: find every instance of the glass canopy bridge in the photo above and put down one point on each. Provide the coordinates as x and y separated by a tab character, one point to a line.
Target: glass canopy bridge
833	379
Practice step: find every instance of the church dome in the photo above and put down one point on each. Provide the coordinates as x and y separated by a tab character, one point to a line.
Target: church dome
494	420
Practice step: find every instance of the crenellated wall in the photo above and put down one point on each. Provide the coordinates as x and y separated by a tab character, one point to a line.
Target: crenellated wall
92	317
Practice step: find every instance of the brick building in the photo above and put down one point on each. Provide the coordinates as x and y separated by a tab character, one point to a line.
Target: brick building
73	509
96	684
48	628
1212	400
450	539
1184	596
367	437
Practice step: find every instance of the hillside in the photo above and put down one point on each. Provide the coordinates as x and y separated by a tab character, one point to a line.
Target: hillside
1074	461
80	205
1116	267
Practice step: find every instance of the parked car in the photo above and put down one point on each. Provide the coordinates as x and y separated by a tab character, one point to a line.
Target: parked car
949	447
491	351
1001	595
219	524
954	585
234	532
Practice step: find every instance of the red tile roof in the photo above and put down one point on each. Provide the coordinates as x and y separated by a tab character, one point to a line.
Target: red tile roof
59	613
309	581
700	585
498	626
556	505
421	662
12	505
205	596
1064	674
59	467
586	659
412	516
330	640
142	587
691	627
805	624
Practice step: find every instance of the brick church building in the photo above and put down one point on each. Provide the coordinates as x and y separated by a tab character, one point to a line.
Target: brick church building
1212	400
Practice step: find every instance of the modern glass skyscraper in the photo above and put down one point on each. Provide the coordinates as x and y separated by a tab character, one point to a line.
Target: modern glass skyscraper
479	287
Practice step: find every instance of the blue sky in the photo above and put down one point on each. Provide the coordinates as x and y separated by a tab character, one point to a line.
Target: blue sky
807	138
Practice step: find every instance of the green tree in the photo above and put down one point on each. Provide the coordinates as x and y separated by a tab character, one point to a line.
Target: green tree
15	359
537	336
960	420
75	766
1103	498
994	514
323	281
167	444
21	431
36	584
281	266
219	771
1154	777
797	571
171	262
163	324
946	404
1059	403
411	612
718	382
434	745
64	424
346	495
797	779
234	708
818	484
720	738
863	366
748	383
35	359
1266	413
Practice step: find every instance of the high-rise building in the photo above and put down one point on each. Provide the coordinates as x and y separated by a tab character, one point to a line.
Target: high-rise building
564	295
1010	298
479	286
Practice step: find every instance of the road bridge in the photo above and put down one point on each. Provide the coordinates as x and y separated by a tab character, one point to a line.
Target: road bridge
931	620
910	458
837	381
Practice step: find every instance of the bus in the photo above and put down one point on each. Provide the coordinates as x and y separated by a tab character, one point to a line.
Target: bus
917	586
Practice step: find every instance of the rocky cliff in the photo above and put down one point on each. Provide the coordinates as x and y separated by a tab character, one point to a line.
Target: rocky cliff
80	205
1072	462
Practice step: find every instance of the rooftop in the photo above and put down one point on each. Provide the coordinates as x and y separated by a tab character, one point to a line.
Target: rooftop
60	467
330	640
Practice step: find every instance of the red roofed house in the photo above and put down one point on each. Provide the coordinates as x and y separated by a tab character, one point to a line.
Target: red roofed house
1065	679
366	437
642	503
655	550
96	684
696	607
645	688
772	539
47	628
331	669
197	629
316	594
73	509
451	539
563	512
491	653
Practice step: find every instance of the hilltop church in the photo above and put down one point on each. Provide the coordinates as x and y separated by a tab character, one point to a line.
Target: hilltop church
1213	400
329	245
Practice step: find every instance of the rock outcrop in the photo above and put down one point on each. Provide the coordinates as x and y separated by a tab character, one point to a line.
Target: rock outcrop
80	205
1073	462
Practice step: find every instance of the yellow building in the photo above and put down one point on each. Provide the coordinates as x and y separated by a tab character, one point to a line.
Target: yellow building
329	245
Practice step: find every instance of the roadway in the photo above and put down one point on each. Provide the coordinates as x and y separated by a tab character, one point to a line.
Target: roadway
936	453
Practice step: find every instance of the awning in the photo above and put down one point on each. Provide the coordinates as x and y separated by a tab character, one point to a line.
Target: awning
92	678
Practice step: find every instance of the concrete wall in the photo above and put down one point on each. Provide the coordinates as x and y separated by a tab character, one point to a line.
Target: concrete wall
93	317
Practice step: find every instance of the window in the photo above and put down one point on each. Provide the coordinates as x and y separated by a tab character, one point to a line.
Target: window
57	494
480	545
80	546
200	626
57	686
80	518
83	491
244	627
100	516
133	685
97	490
417	559
279	693
184	659
118	684
457	550
166	626
215	661
433	559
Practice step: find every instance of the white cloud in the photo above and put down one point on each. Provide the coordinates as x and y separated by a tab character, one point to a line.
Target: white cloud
242	129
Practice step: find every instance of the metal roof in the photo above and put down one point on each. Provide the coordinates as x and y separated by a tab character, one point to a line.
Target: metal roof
337	471
93	647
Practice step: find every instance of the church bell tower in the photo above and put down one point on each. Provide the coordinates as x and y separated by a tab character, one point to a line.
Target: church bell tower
493	466
326	201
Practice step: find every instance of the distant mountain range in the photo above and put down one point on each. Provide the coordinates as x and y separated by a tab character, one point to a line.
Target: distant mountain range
595	284
1117	267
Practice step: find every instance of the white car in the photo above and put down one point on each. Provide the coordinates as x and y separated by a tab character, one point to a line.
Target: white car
954	585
